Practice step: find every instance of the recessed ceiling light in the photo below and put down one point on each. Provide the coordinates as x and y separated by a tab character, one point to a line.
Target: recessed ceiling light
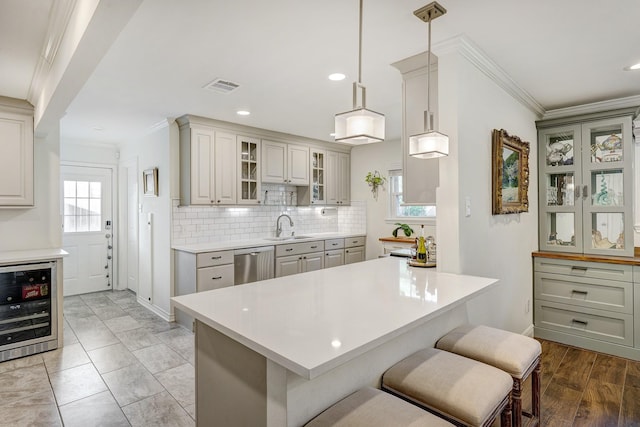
243	112
633	67
336	77
98	128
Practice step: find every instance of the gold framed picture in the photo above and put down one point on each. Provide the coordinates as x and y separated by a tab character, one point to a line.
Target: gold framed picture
150	182
510	173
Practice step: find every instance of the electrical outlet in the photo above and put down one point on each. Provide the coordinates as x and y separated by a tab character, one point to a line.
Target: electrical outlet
527	307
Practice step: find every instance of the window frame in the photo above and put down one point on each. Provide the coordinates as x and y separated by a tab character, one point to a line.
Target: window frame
392	216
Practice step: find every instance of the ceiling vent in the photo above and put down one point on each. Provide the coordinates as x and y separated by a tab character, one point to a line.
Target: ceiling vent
222	86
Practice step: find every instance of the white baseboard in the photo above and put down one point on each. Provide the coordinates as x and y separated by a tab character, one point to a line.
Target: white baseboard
157	310
529	331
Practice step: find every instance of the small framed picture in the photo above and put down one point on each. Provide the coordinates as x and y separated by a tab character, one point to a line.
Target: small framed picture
150	182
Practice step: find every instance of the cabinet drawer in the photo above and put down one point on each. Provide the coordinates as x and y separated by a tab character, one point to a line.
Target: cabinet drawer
333	244
209	259
595	270
209	278
299	248
585	292
351	242
597	324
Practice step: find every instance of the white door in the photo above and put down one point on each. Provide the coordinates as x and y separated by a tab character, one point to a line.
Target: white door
128	226
87	229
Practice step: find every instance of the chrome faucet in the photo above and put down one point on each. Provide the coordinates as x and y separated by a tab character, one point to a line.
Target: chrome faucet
279	226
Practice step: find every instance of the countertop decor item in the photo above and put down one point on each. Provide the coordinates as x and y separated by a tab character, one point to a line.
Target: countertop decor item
431	143
510	170
375	181
408	231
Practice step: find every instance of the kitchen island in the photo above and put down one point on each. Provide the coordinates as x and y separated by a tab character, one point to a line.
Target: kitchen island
279	351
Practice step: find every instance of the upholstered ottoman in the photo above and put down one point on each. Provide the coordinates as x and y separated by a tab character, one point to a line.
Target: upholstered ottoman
515	354
370	407
464	391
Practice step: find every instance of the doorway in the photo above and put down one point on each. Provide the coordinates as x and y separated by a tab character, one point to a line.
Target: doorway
87	229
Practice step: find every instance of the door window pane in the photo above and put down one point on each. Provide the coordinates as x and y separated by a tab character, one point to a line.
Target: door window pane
82	206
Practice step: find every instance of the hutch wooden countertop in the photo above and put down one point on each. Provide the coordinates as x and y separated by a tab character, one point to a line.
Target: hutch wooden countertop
398	239
635	260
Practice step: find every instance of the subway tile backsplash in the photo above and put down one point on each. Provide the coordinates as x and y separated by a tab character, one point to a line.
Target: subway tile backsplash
202	224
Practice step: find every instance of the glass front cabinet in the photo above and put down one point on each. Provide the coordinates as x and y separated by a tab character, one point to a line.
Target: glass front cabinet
586	184
248	170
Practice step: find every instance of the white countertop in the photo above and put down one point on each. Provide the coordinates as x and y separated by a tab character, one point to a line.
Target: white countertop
257	242
31	255
313	322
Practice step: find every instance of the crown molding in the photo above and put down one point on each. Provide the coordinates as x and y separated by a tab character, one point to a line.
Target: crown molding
594	107
59	16
470	51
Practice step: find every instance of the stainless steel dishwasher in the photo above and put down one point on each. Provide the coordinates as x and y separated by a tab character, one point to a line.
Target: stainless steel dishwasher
253	264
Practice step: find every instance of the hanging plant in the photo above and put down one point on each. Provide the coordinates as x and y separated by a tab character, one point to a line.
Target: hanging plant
375	181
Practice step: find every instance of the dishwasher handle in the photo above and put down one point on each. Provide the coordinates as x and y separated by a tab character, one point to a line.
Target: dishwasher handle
253	251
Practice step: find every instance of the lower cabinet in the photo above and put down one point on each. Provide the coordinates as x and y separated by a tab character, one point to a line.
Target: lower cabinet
587	304
201	272
354	249
334	258
294	258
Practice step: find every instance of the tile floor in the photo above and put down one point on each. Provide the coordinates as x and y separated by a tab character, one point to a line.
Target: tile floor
121	365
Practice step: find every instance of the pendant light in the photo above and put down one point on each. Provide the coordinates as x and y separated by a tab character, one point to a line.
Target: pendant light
359	126
431	143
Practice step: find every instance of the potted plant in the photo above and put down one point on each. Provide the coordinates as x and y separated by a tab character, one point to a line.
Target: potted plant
408	231
375	181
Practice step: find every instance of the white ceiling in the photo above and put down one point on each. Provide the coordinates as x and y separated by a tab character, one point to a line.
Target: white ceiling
563	53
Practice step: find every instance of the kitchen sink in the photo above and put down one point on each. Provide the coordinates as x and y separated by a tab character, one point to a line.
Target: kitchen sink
283	238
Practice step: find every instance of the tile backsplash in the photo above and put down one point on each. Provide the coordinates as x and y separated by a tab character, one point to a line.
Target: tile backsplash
202	224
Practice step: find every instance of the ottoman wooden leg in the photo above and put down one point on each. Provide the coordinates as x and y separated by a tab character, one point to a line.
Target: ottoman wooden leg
516	398
507	415
535	383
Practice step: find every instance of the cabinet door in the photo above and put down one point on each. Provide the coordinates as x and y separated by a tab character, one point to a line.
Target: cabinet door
352	255
560	189
318	176
344	179
16	160
225	168
202	166
607	186
297	165
338	178
288	265
274	162
248	171
313	261
333	258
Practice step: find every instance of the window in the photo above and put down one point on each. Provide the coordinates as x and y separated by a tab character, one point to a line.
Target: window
397	210
82	206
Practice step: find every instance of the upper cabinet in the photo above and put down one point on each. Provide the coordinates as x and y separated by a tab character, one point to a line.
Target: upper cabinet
338	178
285	163
586	183
207	165
248	170
16	153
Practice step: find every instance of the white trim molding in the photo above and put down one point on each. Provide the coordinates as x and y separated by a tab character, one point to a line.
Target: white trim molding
595	107
470	51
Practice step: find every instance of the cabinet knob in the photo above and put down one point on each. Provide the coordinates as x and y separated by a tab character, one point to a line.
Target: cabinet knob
216	278
289	249
313	247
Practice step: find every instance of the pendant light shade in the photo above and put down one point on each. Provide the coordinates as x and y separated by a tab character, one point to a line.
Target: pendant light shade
359	125
430	144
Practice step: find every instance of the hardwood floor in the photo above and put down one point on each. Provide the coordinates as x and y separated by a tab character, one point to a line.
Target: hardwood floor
585	388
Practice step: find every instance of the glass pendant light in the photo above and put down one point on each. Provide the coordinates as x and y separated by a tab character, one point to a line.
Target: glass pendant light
431	143
360	125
